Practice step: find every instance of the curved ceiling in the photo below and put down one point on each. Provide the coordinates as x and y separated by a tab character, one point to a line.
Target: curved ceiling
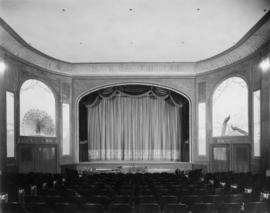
132	30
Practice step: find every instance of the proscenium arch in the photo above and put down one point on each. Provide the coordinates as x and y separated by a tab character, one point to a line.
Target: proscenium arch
53	96
213	91
83	94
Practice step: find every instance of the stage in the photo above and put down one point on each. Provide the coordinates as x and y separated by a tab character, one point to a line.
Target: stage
133	166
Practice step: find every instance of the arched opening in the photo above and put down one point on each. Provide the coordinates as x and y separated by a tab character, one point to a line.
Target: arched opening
230	108
231	148
37	109
37	150
134	122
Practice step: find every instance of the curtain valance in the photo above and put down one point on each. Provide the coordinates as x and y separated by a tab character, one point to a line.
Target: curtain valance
139	91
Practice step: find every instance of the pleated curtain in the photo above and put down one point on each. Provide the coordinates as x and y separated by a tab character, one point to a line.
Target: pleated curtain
126	127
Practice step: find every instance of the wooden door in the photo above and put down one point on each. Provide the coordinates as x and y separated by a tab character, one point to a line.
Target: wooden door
37	158
240	157
230	157
220	159
47	161
26	154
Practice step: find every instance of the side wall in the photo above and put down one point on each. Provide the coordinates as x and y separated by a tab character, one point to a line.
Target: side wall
11	80
249	70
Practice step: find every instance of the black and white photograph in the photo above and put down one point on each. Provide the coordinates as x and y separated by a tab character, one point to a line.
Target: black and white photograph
134	106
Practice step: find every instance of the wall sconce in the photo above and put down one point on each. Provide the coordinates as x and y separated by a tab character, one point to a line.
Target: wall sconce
3	66
265	64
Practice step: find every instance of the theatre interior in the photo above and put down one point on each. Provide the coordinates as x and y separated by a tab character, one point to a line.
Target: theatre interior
135	106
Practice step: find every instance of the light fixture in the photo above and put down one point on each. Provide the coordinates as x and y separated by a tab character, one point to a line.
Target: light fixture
265	64
2	66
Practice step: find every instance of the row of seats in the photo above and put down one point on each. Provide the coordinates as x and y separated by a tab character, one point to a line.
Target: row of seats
42	207
160	192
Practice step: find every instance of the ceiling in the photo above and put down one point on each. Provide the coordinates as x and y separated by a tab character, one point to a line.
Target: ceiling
132	30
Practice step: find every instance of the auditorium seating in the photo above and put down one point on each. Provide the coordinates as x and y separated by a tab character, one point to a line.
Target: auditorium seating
135	193
176	208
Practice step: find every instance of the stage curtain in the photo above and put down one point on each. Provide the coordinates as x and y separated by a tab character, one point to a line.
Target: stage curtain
124	126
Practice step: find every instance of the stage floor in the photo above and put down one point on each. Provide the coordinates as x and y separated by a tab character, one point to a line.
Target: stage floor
125	166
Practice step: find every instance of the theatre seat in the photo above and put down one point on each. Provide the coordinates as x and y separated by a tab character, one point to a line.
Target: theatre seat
148	208
166	199
38	207
190	199
145	192
182	192
230	208
234	198
105	192
102	199
216	199
125	191
256	207
92	208
146	199
122	199
120	208
163	192
203	208
31	199
65	208
175	208
13	207
251	198
53	199
200	191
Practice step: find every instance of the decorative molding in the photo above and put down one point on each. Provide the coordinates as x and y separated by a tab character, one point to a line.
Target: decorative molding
255	38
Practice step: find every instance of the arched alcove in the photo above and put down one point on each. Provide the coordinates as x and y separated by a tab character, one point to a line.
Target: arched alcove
230	150
37	109
230	108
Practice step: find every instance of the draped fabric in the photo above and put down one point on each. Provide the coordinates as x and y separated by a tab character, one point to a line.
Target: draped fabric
138	91
128	125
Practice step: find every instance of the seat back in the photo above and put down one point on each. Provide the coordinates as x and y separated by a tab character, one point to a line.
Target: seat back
217	199
65	208
203	208
256	207
92	208
149	208
13	207
230	208
103	200
146	199
33	199
120	208
122	199
145	192
166	199
37	207
191	199
53	199
175	208
234	198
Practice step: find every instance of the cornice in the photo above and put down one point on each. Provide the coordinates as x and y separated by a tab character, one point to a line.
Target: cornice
258	36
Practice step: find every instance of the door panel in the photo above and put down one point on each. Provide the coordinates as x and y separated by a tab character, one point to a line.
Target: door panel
230	157
240	157
47	159
37	158
26	159
220	158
